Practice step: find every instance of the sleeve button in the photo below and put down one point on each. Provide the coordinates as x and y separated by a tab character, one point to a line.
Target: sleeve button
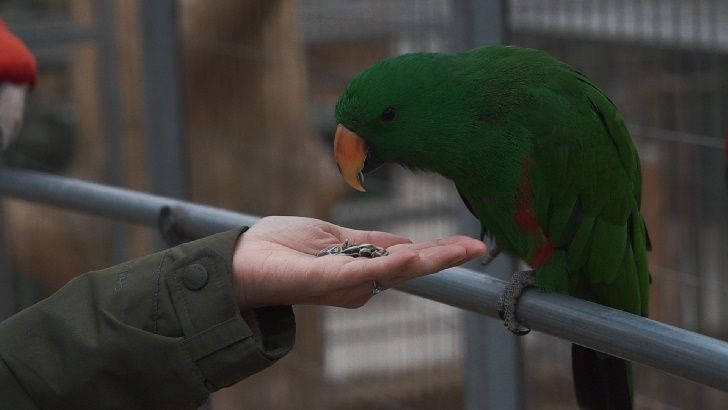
194	276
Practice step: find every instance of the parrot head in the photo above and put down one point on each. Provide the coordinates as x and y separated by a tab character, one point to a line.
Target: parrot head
17	78
405	110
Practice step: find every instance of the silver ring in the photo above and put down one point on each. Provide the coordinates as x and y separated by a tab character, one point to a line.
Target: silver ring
376	287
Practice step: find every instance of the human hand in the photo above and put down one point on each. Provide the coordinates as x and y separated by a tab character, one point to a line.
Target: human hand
274	263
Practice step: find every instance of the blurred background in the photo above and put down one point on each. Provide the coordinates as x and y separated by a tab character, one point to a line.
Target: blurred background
230	103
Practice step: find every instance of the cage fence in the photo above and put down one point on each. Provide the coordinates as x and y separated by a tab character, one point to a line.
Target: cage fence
259	80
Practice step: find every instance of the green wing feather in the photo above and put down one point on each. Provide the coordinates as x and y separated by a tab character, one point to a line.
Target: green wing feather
590	206
588	191
584	171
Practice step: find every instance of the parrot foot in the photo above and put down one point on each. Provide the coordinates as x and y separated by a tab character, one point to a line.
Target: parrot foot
509	298
492	254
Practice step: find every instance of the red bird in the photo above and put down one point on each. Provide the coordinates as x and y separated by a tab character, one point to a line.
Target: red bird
17	78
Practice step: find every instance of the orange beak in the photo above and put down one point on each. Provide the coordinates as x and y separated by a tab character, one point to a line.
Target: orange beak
350	152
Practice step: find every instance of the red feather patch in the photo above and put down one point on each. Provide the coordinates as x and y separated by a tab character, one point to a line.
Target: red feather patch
526	218
542	255
525	213
17	64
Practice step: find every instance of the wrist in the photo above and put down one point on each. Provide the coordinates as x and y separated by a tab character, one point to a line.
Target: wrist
240	290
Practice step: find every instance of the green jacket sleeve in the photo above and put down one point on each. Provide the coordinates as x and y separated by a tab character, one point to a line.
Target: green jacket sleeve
162	331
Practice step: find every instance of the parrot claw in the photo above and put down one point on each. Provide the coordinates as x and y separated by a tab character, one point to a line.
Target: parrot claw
509	298
492	254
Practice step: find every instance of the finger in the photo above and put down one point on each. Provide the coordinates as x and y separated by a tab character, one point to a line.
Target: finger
472	246
437	258
404	264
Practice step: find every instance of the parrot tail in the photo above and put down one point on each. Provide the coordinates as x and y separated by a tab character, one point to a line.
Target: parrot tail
601	381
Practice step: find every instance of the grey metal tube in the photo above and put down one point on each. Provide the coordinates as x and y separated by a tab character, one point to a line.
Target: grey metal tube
163	111
674	350
116	203
112	113
678	351
494	367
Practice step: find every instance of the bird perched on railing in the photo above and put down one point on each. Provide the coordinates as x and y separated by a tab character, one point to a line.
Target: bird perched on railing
540	156
17	78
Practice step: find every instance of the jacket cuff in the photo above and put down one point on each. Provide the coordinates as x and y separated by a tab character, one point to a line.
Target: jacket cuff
222	344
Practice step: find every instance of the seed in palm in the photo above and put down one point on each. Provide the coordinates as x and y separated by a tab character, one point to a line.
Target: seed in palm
365	250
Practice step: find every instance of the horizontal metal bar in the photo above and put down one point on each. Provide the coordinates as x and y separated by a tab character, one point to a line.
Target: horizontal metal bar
681	137
674	350
676	24
688	354
116	203
612	39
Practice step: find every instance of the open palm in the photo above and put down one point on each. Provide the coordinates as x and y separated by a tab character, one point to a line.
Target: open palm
274	263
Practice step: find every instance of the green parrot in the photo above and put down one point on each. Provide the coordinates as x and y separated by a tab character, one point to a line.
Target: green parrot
538	154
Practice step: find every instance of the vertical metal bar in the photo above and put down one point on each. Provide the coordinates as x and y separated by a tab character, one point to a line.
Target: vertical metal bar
163	98
164	123
493	362
494	356
477	23
166	144
8	277
111	108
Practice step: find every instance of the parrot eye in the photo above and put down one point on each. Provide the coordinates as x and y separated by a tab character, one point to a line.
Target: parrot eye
388	115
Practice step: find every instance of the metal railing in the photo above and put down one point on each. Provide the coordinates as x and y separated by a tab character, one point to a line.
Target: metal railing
674	350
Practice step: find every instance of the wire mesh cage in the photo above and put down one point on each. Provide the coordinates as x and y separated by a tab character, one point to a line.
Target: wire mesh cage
256	82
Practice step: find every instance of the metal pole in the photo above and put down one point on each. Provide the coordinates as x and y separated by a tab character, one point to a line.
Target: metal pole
681	352
478	23
8	277
111	105
166	145
116	203
493	356
674	350
163	98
